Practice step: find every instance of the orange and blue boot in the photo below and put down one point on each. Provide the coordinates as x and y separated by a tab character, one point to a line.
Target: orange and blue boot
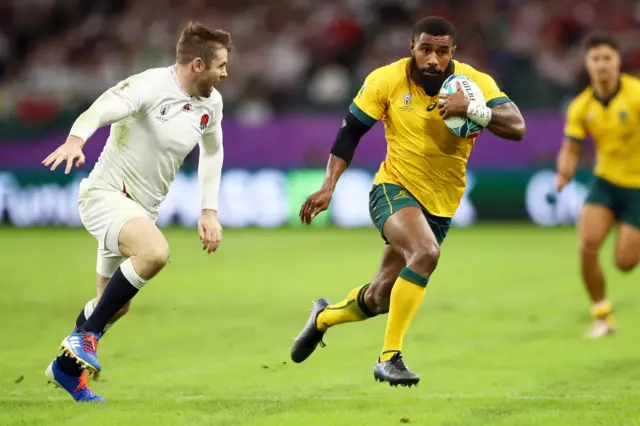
76	386
82	345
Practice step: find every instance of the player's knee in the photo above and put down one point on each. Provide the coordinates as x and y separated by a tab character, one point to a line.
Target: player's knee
155	256
425	258
589	247
625	263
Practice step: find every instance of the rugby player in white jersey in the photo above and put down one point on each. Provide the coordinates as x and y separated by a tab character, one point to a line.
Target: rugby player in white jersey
157	117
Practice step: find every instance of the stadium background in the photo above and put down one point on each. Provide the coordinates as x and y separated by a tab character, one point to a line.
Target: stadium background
295	68
498	338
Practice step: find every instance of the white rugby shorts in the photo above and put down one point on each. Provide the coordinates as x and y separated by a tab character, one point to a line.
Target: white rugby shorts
104	210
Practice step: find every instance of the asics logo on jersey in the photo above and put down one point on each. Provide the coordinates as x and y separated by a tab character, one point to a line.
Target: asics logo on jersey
186	107
432	106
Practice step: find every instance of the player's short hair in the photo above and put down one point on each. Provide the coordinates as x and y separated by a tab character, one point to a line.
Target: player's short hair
435	26
199	41
600	39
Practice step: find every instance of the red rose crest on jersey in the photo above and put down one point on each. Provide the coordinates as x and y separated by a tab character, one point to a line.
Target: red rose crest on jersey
204	121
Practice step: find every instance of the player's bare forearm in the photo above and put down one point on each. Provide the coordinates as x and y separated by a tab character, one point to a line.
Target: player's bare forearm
319	200
335	169
567	161
507	122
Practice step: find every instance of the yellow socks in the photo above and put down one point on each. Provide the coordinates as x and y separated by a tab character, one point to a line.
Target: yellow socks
350	309
406	297
601	310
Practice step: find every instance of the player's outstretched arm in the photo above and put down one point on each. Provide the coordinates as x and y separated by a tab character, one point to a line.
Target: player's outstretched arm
507	122
567	162
107	109
341	155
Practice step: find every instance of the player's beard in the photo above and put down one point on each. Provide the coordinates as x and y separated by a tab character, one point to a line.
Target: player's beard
430	83
205	87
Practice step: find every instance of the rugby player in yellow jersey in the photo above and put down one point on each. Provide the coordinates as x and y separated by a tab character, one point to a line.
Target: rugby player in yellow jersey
609	112
417	189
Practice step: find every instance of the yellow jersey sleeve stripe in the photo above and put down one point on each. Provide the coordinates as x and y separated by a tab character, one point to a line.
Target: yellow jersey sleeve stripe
498	101
361	115
573	139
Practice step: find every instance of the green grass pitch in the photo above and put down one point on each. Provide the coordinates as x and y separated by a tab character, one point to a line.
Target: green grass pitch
498	340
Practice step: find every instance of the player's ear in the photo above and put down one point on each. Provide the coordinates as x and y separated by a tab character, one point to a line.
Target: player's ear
412	44
453	50
198	65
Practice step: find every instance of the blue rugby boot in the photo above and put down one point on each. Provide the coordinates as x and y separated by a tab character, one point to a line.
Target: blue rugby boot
77	387
81	346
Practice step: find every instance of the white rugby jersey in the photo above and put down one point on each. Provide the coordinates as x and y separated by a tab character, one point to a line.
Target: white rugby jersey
155	124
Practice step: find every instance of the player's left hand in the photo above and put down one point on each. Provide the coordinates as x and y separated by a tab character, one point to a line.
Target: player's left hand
315	204
210	230
453	105
69	152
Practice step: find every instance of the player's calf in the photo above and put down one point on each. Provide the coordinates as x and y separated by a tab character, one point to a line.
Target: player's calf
377	296
86	312
625	264
626	261
627	251
594	223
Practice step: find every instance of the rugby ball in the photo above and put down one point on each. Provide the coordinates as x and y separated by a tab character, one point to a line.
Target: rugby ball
463	126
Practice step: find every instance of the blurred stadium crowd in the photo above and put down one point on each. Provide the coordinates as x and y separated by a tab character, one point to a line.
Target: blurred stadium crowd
293	55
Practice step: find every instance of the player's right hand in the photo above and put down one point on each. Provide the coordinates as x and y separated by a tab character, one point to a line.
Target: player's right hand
315	204
561	182
70	151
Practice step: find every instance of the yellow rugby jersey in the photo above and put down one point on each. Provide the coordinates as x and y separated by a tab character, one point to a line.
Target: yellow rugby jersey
423	155
613	126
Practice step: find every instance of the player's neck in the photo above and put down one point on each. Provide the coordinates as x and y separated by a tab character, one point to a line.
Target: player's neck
183	79
606	89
